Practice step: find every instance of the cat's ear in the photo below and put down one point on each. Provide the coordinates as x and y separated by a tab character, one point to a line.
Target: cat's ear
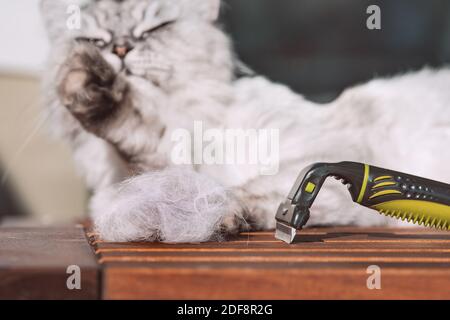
210	9
207	9
52	13
57	15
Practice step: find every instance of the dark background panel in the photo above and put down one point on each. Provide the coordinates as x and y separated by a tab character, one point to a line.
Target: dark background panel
320	47
9	202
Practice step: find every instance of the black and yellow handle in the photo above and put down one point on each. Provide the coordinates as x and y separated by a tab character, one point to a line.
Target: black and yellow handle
406	197
392	193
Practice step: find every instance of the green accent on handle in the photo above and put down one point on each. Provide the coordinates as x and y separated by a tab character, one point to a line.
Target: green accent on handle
383	184
382	178
384	193
364	184
310	187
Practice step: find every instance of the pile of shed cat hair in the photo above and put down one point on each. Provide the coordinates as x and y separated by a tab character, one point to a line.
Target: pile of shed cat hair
174	205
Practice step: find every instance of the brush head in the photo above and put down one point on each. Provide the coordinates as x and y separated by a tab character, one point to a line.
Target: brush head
290	218
293	212
285	233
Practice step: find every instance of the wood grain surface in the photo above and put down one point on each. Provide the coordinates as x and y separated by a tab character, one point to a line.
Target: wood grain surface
34	261
321	264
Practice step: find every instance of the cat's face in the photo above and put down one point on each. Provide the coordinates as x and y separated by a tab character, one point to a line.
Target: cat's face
145	38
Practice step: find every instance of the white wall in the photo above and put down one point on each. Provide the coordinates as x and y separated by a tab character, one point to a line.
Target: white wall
23	43
41	169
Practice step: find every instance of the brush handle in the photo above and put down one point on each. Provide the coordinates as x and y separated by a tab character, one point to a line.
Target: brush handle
392	193
405	196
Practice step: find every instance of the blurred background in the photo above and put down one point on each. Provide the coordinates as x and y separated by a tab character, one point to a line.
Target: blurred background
318	47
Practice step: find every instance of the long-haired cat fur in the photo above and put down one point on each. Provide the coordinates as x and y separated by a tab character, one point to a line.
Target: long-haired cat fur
137	70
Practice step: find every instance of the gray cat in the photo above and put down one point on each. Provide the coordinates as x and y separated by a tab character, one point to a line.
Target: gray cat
120	87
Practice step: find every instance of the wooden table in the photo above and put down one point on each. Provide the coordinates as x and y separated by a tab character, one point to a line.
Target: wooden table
322	264
34	263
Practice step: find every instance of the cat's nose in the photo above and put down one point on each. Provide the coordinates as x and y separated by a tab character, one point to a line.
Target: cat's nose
121	50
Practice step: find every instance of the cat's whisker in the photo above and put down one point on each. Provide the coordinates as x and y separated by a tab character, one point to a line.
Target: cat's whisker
247	226
22	148
34	102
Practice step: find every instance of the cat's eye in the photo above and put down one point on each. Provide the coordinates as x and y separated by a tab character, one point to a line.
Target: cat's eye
96	42
147	33
99	43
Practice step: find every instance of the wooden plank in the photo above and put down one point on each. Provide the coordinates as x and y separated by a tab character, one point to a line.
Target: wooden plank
272	283
34	261
321	264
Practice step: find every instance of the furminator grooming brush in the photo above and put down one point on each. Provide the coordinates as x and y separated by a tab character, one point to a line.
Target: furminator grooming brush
392	193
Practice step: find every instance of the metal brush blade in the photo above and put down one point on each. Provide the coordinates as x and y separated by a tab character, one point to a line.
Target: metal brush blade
285	233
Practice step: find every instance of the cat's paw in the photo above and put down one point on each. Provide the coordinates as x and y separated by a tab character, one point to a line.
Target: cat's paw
235	221
89	87
258	214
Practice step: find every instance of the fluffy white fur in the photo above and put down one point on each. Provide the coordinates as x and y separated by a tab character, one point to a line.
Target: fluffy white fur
401	123
175	205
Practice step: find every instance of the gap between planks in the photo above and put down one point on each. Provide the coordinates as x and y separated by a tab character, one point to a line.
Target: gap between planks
269	250
273	259
289	270
313	232
405	241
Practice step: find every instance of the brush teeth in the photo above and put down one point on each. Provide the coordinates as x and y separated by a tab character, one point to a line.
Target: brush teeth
417	218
